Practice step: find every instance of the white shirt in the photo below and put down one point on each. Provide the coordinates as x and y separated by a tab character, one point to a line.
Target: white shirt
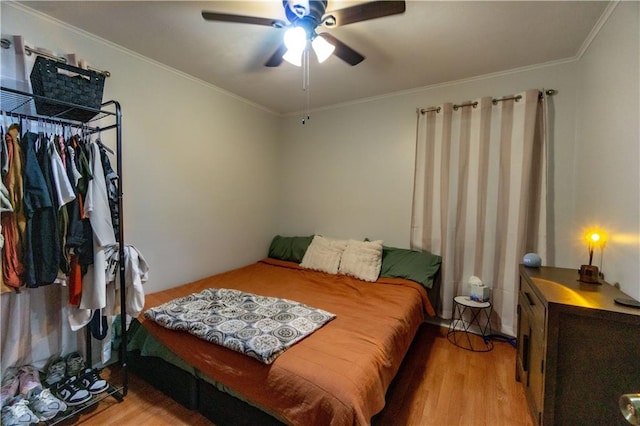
64	190
136	274
96	208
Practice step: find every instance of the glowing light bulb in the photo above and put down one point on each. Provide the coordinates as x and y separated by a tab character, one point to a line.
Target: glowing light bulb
595	238
293	57
323	48
295	39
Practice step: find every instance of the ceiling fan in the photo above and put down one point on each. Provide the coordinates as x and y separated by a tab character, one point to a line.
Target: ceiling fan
304	17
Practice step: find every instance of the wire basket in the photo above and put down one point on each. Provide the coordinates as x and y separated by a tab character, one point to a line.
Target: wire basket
65	83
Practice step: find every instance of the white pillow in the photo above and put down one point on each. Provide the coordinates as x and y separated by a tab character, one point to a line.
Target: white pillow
323	254
362	260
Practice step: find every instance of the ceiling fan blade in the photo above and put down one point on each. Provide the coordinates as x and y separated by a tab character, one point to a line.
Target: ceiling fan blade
225	17
343	51
276	59
366	11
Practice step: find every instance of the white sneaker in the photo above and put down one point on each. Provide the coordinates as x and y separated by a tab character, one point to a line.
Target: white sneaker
17	413
44	404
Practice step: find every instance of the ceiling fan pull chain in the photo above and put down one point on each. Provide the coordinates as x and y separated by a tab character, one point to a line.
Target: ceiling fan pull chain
305	69
305	83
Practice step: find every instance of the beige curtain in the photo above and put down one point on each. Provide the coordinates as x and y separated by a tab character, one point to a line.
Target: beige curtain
480	195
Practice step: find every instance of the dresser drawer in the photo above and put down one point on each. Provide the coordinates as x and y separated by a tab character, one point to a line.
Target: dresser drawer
534	305
532	323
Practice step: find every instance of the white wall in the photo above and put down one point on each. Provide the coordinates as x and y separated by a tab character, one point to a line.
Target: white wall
607	176
348	172
199	164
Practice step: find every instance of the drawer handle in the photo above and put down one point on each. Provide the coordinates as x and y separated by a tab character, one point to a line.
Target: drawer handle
531	302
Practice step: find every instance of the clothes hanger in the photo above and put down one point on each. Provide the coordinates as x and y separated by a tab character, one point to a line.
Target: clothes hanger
100	144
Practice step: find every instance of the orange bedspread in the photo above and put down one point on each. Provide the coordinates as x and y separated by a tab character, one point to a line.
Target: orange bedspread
336	376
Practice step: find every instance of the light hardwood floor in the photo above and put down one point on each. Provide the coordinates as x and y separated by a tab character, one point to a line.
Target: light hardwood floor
438	384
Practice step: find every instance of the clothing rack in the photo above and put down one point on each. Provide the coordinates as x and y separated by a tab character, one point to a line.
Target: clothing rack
21	105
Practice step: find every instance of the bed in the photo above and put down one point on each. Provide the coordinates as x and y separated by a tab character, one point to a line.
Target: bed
338	375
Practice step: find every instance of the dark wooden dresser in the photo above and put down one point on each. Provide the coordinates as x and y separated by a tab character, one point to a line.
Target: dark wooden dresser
578	351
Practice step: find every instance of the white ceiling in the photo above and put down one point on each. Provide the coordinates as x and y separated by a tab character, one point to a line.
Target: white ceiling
433	42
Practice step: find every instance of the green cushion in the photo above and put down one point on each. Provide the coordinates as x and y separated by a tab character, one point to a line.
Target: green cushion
291	249
419	266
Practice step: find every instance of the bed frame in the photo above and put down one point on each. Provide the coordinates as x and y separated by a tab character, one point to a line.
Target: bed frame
189	388
196	394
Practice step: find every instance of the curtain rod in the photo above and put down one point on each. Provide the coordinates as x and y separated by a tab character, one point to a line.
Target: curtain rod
548	92
6	44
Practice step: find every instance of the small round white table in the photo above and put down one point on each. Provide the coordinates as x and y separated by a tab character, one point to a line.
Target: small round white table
467	315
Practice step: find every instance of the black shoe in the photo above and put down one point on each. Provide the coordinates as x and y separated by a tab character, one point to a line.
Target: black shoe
92	381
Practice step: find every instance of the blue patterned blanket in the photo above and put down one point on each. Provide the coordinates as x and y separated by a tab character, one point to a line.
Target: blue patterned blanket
258	326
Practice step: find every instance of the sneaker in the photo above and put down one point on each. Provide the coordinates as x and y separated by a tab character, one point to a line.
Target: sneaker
17	413
10	384
72	392
29	379
55	371
75	364
92	381
44	404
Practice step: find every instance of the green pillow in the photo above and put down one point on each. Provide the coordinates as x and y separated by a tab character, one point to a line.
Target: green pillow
291	249
415	265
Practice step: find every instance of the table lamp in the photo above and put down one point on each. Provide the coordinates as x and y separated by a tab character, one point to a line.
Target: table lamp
589	273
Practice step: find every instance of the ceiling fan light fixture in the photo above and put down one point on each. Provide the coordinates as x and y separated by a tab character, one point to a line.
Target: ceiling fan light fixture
295	38
323	48
309	15
294	57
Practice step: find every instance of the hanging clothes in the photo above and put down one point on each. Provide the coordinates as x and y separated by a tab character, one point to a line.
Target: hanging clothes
62	185
82	231
136	274
12	267
96	208
111	178
75	236
40	252
59	211
18	192
5	206
65	194
5	203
